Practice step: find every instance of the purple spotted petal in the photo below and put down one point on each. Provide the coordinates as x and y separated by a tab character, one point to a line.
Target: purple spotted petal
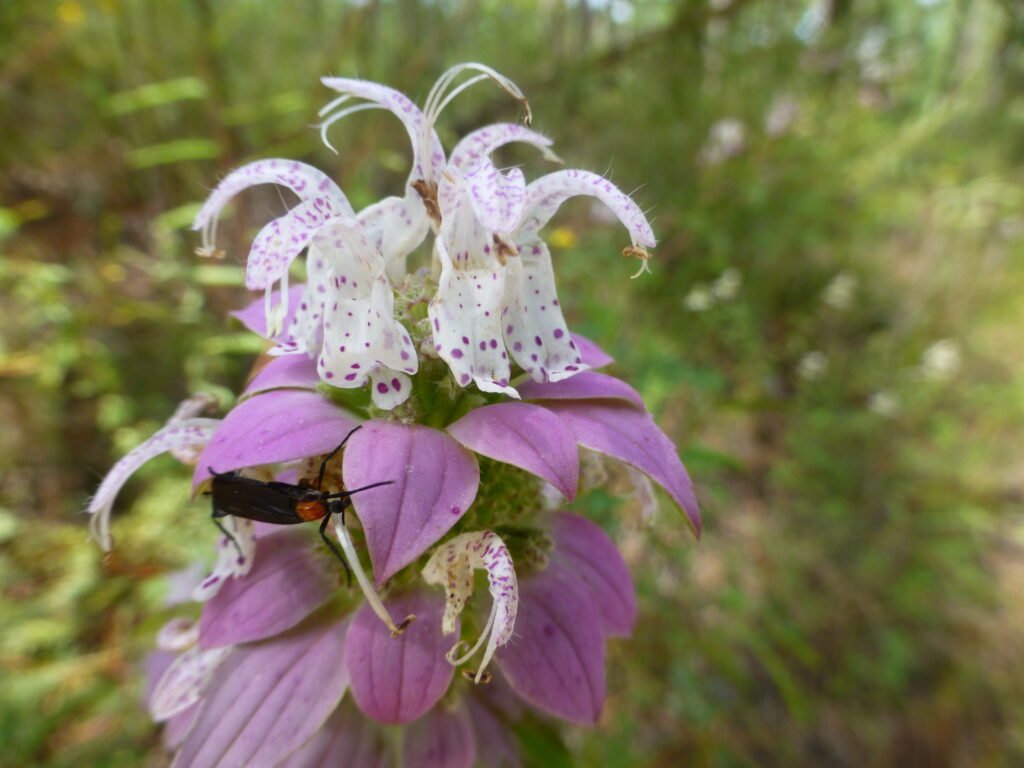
630	435
398	679
267	699
583	386
496	743
346	739
288	581
526	436
434	480
556	660
253	316
278	426
442	739
592	354
587	551
287	372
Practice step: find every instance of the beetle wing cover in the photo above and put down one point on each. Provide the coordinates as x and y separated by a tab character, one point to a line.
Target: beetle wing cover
272	503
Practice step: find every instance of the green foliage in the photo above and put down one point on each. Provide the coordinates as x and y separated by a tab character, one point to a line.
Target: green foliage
854	598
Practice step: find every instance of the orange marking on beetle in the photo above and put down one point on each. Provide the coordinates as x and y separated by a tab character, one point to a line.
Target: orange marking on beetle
310	510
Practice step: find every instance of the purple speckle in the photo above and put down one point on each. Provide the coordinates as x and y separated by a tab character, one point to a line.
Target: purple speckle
382	388
559	333
457	354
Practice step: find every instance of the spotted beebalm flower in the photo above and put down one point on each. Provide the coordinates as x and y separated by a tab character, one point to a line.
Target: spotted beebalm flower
282	661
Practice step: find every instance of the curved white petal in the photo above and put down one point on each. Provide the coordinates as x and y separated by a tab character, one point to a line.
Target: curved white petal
483	142
181	434
451	566
182	684
535	331
304	180
234	558
466	317
283	239
191	408
428	154
545	195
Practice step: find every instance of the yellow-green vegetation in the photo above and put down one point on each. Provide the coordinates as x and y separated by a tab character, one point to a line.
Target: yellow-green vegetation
831	335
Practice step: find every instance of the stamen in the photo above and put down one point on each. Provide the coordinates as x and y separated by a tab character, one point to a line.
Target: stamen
340	115
636	252
334	103
376	604
491	647
439	96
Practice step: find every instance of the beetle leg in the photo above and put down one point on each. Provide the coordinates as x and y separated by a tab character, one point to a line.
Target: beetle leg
331	545
226	532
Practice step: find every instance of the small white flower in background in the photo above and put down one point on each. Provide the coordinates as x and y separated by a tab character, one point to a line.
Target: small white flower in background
726	139
812	366
727	285
781	115
941	360
699	299
883	403
869	55
840	291
1011	228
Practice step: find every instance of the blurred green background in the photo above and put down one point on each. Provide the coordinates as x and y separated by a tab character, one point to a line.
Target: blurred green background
831	335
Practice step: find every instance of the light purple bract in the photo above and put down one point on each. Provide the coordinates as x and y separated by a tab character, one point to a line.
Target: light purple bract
287	583
526	436
267	699
279	426
434	480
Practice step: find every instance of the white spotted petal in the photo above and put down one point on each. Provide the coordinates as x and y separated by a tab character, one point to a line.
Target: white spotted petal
466	317
235	557
451	566
545	196
183	682
360	334
535	330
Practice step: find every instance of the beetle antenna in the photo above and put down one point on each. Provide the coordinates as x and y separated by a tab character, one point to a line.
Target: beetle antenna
346	494
331	455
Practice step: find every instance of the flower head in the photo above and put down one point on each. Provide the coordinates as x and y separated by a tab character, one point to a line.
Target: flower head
288	663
